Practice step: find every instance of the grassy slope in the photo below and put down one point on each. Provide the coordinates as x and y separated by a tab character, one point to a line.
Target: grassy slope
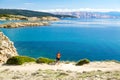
29	13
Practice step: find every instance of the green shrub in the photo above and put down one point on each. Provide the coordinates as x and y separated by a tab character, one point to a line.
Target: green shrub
19	60
83	61
44	60
4	15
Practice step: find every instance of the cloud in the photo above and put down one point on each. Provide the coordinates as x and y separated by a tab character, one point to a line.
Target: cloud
80	9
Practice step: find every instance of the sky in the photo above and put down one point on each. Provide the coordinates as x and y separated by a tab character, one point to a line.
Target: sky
62	5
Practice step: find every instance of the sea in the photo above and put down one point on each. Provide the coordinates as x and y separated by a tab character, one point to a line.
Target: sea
75	39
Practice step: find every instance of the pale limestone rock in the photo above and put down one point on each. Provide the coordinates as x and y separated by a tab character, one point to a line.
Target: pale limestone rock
7	48
22	24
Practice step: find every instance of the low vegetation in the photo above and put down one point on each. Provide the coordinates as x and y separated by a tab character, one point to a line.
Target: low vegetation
82	62
4	15
19	60
27	13
45	60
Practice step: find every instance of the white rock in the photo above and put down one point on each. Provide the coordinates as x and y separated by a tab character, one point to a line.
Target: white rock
7	48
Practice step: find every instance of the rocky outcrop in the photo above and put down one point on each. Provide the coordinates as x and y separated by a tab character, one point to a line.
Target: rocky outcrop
23	24
28	21
7	48
50	18
47	18
19	17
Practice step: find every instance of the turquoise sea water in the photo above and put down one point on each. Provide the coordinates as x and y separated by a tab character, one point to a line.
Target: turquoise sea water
95	39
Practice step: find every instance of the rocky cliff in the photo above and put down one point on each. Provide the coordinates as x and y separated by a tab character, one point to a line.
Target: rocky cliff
7	48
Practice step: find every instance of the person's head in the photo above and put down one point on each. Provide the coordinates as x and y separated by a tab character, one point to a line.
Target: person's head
58	55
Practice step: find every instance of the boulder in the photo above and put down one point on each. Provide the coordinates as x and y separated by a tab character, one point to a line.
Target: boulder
7	49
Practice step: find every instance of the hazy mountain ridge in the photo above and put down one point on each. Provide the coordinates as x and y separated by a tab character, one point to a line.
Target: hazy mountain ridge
78	14
27	13
30	13
91	14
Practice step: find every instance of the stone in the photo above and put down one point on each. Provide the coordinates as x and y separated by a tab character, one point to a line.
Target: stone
7	49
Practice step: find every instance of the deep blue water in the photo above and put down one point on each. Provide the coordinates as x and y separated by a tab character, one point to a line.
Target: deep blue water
95	39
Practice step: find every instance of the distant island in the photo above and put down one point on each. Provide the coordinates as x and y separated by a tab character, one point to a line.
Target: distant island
27	18
25	21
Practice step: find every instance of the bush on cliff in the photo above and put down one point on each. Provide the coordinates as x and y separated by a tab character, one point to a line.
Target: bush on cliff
4	15
82	62
44	60
19	60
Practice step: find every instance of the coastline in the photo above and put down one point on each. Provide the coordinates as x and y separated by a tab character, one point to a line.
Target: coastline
23	24
63	71
30	21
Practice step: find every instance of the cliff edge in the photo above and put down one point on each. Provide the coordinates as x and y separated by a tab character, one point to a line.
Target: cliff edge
7	48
